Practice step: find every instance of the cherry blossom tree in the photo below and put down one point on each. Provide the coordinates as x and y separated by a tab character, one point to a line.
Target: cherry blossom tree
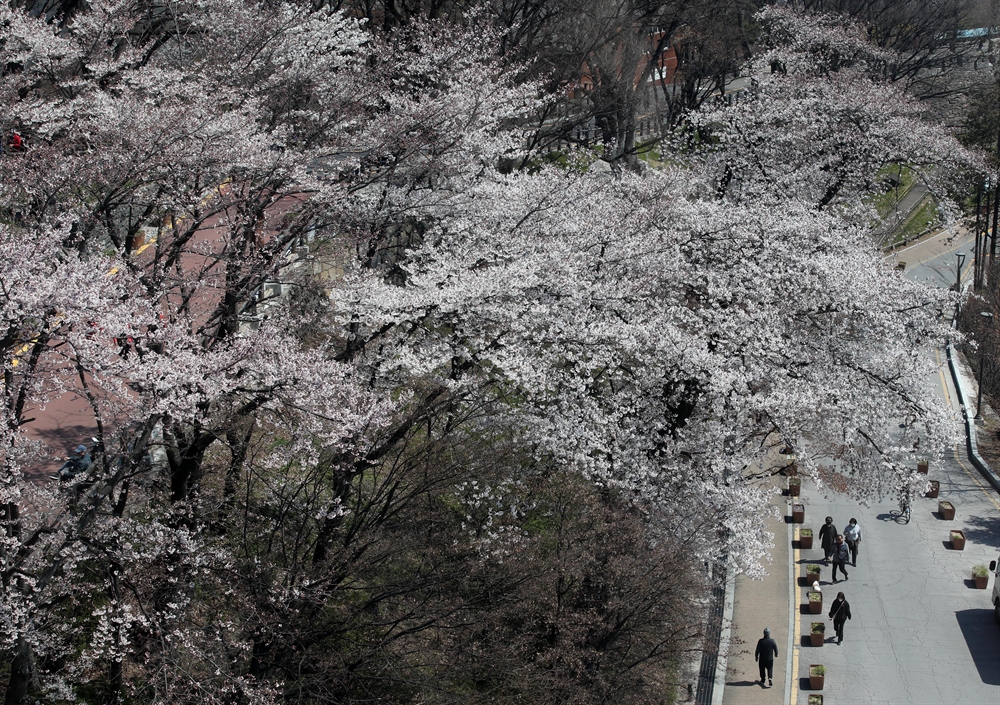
349	481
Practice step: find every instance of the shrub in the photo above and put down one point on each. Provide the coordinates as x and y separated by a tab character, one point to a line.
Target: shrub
980	571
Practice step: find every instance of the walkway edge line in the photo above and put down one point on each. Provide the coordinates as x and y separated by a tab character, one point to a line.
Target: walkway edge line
790	644
971	446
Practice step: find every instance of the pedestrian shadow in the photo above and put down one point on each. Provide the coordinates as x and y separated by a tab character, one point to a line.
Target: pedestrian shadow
741	683
886	516
983	530
980	635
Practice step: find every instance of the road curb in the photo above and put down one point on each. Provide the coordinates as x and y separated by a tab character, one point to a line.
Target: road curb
971	446
722	665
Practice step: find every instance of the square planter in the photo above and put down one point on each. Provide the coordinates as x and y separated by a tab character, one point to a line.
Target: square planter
815	603
934	490
798	513
922	466
981	581
958	539
817	633
817	674
806	538
794	486
812	573
947	510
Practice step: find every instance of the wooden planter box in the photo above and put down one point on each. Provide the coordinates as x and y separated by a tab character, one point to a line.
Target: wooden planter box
137	241
947	510
816	638
958	539
934	490
794	487
981	581
805	541
812	576
815	682
798	513
815	605
922	466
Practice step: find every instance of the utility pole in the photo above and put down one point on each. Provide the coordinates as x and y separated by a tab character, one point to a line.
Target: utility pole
996	195
977	262
986	227
987	327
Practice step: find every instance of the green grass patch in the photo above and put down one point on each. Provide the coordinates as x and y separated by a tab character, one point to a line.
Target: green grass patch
919	222
884	202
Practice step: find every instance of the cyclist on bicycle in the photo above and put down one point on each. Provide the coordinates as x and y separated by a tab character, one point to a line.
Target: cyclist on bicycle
905	502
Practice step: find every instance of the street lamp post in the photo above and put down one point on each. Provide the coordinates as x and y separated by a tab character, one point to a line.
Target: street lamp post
987	325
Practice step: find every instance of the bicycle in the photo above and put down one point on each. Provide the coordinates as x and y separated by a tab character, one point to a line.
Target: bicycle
904	510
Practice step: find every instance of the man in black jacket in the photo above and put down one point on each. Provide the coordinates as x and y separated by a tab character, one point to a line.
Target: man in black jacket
767	649
841	557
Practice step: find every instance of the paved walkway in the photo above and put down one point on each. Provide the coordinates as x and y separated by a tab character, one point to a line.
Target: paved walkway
759	604
921	634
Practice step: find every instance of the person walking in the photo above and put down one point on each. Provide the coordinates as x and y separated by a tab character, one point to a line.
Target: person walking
852	536
840	612
767	649
827	537
841	554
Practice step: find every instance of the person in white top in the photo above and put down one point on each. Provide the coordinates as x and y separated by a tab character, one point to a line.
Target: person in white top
852	536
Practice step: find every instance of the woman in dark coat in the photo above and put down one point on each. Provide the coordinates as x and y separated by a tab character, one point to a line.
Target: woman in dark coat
840	612
828	537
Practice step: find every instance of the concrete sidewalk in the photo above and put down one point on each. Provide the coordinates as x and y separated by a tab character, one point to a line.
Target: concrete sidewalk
921	634
759	604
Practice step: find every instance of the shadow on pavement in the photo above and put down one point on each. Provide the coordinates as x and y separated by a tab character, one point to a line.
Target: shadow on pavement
741	683
980	634
970	583
804	684
983	530
885	516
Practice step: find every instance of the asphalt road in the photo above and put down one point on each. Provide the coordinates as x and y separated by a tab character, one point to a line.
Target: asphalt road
921	634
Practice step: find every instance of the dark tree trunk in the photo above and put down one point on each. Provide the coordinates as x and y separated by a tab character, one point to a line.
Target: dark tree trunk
20	673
